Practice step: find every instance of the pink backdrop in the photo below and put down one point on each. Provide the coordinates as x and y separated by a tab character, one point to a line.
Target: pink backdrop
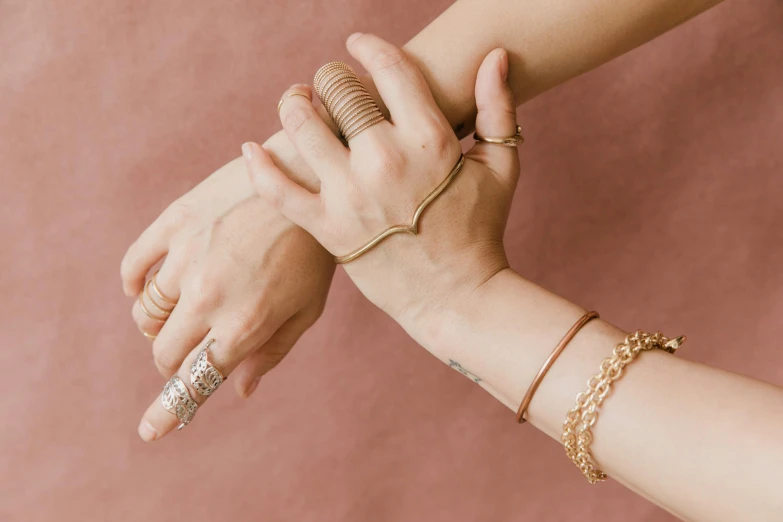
651	191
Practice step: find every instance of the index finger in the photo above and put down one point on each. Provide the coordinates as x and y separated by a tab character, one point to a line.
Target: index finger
399	82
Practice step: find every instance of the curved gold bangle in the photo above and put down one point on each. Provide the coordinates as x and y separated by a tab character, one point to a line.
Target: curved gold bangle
510	141
161	295
413	228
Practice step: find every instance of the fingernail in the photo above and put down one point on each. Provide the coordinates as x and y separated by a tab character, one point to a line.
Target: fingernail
247	150
503	64
352	38
253	385
147	432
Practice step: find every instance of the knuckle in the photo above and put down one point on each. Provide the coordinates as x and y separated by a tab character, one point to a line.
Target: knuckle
164	360
388	60
176	215
261	314
203	291
276	195
386	161
314	312
439	141
245	324
295	119
128	264
183	246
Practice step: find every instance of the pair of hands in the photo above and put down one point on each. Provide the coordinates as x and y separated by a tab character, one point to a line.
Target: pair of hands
250	272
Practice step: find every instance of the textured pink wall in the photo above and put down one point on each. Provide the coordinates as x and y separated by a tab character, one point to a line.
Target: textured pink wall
651	191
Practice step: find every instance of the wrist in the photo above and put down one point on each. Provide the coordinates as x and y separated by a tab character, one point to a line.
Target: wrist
441	328
502	332
422	287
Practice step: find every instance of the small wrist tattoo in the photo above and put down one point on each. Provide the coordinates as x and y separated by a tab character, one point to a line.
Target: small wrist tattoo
457	366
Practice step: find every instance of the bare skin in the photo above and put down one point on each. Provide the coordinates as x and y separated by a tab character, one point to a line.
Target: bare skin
258	316
700	442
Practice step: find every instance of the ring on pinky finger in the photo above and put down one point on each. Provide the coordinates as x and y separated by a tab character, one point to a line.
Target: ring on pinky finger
149	336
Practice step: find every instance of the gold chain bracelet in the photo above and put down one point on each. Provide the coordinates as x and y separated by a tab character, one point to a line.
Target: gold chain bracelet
577	428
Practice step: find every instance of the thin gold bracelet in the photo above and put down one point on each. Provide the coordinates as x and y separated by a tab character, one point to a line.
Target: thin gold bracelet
577	428
586	318
413	228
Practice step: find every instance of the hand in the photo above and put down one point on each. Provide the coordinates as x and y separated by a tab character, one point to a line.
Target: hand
390	168
242	274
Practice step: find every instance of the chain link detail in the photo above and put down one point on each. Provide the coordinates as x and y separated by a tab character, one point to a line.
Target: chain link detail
577	428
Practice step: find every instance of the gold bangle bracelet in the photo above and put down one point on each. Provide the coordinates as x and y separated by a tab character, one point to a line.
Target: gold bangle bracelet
586	318
413	228
577	428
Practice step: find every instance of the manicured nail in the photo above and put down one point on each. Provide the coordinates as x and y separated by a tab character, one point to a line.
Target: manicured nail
503	64
253	385
147	432
352	38
247	150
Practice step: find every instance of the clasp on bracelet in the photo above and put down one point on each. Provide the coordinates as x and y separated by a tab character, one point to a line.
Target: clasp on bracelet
674	344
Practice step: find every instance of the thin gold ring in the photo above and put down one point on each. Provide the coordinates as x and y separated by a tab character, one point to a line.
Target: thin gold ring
509	141
280	103
146	310
205	378
160	294
149	336
155	305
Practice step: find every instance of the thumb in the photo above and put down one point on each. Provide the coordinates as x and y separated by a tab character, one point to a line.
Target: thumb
496	116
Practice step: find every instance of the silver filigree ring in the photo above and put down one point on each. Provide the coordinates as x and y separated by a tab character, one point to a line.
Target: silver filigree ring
204	377
177	400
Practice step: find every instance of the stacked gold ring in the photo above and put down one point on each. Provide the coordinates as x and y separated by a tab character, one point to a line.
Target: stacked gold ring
346	99
158	309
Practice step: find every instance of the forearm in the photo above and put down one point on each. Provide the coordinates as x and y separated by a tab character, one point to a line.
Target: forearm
698	441
548	43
